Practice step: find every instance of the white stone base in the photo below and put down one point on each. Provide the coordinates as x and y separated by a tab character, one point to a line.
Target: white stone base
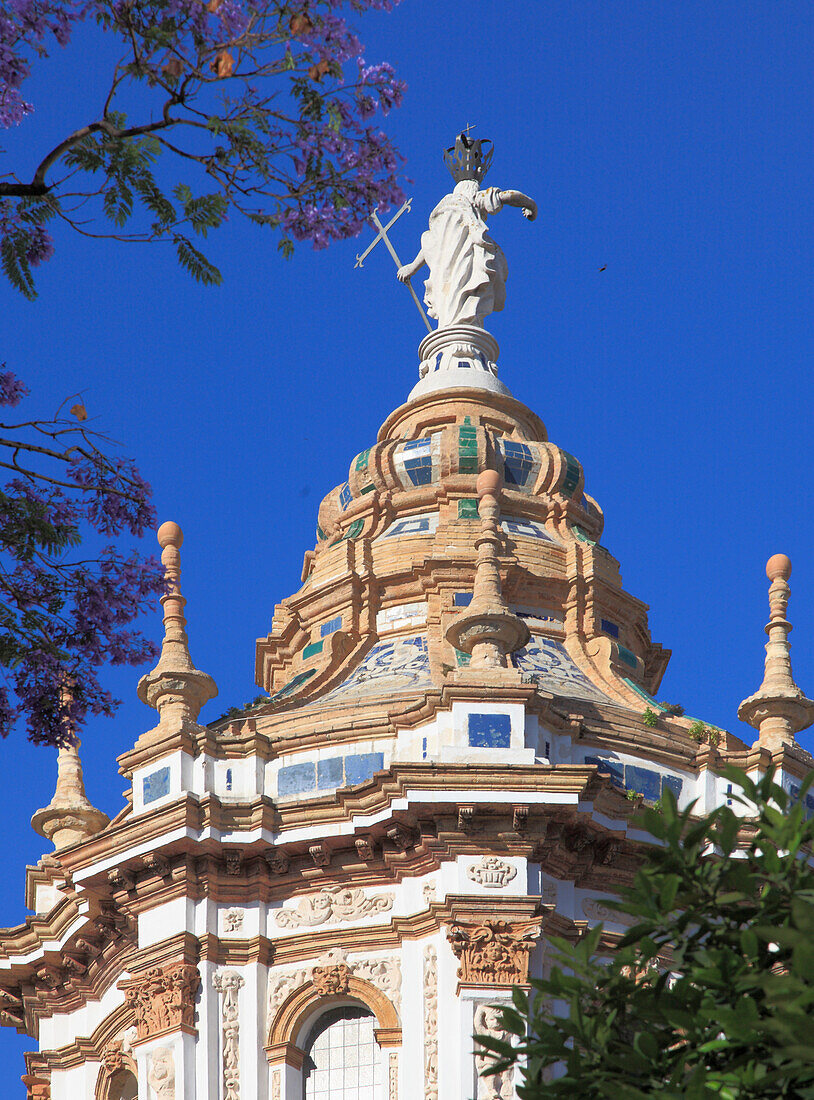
455	357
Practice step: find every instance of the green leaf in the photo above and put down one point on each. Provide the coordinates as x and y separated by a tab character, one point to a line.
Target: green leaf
196	263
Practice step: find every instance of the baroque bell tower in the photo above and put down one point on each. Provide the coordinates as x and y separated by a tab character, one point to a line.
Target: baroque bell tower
324	897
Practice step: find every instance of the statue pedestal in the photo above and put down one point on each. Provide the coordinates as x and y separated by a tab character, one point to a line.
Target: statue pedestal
456	356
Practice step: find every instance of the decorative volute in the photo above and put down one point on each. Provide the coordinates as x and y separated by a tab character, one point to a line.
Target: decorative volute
488	629
778	709
175	688
69	817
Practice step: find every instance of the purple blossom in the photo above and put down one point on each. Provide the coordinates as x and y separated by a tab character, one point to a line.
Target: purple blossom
12	390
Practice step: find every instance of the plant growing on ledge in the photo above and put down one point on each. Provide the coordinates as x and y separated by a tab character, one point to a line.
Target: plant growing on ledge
710	993
703	734
650	718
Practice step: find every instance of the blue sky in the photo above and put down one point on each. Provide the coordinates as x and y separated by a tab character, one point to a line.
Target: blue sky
670	144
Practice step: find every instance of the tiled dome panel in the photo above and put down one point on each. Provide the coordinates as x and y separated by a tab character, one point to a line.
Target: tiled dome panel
521	464
390	668
417	462
548	661
424	524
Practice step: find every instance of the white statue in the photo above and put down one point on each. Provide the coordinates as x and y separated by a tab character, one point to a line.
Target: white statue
468	270
496	1086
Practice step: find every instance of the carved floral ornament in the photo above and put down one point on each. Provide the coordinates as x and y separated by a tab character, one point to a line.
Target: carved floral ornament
228	983
334	903
332	974
492	872
495	952
164	999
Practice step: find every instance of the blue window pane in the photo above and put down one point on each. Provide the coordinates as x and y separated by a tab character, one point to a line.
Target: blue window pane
643	781
296	778
419	470
329	773
517	462
490	731
362	766
156	785
609	627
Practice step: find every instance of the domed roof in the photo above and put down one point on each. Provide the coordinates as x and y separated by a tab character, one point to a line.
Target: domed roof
395	559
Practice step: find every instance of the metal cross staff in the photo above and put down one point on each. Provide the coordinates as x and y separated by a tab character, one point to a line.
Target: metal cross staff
382	236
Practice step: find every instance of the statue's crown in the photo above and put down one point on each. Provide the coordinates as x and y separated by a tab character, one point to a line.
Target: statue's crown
467	159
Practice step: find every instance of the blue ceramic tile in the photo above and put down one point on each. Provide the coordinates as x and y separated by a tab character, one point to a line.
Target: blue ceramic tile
296	778
490	731
643	781
609	627
329	772
674	783
462	599
345	496
330	626
362	766
616	770
156	785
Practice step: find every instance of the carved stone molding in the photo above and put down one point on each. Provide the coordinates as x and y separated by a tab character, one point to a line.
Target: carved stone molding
278	861
333	973
157	864
492	872
233	920
275	1085
228	983
320	854
164	999
402	838
331	979
161	1073
495	952
393	1076
334	903
596	909
497	1086
39	1088
365	848
430	1023
234	860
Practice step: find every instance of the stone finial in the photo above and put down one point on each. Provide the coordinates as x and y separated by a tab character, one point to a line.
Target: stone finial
175	688
488	629
778	709
69	817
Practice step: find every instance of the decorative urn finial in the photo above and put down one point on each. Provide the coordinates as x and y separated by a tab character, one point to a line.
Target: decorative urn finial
488	629
778	709
175	688
69	817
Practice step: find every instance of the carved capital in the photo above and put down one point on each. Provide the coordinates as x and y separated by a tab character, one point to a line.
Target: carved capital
164	999
495	952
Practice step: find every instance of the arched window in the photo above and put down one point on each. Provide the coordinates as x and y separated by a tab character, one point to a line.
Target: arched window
342	1056
123	1086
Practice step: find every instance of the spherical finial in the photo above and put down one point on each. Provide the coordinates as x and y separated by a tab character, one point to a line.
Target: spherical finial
489	483
170	534
778	565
